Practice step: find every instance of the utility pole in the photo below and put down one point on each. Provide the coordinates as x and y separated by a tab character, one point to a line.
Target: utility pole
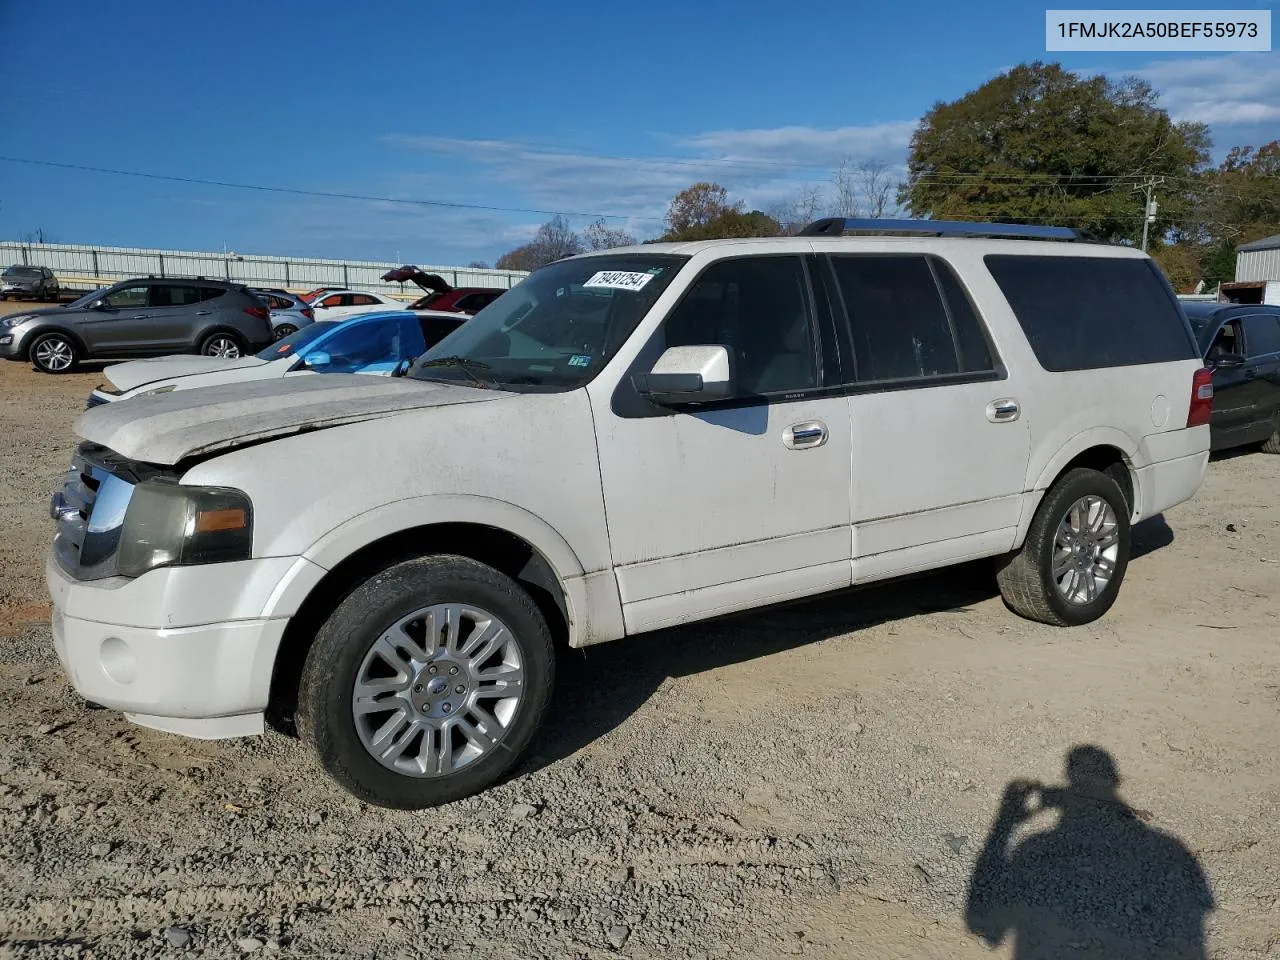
1149	208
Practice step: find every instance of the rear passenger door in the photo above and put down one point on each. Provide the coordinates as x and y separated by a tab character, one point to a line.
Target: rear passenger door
173	309
939	445
1262	369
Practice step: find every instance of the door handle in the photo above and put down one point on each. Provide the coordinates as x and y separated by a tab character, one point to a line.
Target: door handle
203	313
1250	373
1003	411
801	436
141	316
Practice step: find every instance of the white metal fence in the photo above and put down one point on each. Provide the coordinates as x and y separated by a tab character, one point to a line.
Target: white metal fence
79	266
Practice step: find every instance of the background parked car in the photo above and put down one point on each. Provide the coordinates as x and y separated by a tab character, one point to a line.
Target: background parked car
139	318
442	296
37	283
288	312
374	343
1241	343
310	295
346	303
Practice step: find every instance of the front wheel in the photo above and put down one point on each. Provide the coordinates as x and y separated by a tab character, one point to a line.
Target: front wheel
53	353
427	683
221	345
1070	567
1272	443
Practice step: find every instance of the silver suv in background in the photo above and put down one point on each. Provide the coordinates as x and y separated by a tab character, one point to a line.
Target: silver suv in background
140	318
38	283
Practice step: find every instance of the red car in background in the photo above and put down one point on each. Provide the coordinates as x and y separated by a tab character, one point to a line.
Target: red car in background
310	295
441	295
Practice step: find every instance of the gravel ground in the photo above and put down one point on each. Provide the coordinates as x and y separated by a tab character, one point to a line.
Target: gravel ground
815	780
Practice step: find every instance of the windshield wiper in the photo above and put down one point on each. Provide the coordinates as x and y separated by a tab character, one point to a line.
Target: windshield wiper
468	366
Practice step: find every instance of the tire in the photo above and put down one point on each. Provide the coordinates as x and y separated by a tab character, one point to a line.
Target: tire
53	353
222	344
401	603
1272	443
284	330
1026	576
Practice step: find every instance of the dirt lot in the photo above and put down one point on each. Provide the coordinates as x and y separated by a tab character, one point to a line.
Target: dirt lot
816	780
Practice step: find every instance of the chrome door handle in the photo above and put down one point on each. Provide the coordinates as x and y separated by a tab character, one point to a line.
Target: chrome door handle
801	436
1003	411
141	316
203	313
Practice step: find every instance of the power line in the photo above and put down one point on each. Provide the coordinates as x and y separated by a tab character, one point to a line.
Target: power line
297	191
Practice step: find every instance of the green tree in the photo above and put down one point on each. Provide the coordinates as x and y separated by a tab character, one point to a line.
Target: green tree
703	212
1041	144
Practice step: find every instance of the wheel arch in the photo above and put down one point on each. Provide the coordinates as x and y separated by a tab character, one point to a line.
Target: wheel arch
351	559
1104	449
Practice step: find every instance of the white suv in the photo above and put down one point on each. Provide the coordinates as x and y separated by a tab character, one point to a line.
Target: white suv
625	441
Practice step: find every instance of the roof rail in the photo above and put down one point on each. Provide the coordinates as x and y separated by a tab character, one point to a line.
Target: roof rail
843	227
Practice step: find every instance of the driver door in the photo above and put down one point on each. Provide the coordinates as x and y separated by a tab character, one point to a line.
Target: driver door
744	501
122	327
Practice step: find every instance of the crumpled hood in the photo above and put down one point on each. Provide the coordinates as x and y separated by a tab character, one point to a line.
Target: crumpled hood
166	428
126	376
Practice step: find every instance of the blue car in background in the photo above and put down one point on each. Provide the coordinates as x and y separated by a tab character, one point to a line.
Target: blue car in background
369	343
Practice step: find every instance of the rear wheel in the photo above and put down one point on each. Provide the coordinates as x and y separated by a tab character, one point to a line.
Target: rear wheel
222	345
284	330
1070	567
427	683
1272	443
53	353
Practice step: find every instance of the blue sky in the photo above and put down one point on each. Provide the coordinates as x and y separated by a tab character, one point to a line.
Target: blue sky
585	108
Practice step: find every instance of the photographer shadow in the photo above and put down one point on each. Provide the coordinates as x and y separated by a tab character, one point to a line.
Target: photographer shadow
1099	883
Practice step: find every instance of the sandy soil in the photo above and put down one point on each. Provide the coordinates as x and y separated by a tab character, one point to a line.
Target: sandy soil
815	780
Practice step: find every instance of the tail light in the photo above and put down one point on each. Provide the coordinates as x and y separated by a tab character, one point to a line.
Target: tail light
1201	398
262	313
308	313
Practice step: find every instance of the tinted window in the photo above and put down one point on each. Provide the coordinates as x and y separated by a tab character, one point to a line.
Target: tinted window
469	302
331	301
975	354
167	296
359	345
22	272
1084	312
758	307
1262	335
899	323
127	298
210	293
435	329
362	300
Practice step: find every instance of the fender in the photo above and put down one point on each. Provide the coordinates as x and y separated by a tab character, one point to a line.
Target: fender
360	531
1078	444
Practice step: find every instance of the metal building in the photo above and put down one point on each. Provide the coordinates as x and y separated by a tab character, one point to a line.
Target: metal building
1259	260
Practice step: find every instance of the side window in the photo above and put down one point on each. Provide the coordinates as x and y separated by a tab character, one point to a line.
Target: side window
470	302
210	293
1226	341
757	307
411	343
1083	313
435	329
362	300
975	354
331	301
127	298
163	295
363	344
899	322
1262	335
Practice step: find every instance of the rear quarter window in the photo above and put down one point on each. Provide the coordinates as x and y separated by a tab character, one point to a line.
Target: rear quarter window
1083	313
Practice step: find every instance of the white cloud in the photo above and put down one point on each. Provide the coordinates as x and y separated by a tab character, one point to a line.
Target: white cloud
807	146
1240	89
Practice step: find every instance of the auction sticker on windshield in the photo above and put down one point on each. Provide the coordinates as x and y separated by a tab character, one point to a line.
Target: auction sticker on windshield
619	280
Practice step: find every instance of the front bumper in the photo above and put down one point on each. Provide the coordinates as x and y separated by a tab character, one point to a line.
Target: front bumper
204	670
11	344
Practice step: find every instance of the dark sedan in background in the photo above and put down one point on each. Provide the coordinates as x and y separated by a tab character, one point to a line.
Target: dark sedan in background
139	318
1241	343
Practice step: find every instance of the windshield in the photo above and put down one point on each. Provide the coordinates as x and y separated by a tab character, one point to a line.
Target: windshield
22	272
88	298
557	327
288	346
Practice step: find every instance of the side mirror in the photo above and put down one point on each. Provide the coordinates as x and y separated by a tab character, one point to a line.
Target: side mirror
1227	361
98	305
687	375
318	360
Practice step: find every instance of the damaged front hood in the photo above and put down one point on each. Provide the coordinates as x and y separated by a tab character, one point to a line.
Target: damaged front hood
166	428
127	376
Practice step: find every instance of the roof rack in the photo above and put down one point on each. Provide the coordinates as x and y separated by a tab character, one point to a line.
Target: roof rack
843	227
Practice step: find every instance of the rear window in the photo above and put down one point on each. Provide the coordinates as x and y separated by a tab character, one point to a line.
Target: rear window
1080	313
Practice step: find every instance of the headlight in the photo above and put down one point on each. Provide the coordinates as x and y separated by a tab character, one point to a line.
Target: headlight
17	319
168	524
164	389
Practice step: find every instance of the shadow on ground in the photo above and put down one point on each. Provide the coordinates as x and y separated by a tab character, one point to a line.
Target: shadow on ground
1095	880
598	688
